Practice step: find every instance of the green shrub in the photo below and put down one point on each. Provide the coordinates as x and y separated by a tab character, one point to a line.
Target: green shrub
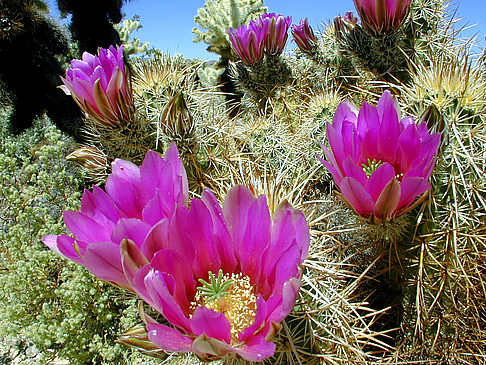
50	305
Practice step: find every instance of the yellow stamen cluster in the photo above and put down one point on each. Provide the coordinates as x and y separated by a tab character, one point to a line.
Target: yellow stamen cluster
238	305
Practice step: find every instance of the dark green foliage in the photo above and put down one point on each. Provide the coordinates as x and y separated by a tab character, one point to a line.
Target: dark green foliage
48	301
92	22
30	48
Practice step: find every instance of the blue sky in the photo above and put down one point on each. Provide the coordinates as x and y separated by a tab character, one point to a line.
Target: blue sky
167	25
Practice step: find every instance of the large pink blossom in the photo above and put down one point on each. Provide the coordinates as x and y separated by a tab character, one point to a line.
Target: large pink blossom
101	85
380	163
381	16
256	255
135	200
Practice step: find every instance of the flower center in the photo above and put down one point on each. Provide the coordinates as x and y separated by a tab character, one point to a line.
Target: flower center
231	295
371	166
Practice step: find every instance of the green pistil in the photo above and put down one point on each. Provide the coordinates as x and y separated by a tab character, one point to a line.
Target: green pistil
371	166
216	288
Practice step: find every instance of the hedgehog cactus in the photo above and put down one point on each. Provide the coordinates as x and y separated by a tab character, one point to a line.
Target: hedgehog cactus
389	280
259	45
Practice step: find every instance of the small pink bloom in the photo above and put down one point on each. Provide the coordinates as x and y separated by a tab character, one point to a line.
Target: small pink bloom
304	36
135	200
267	34
380	163
247	42
381	16
275	28
101	86
257	256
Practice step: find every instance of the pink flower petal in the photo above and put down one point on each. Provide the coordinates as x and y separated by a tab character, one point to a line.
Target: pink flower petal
258	323
168	339
85	228
172	263
221	240
387	203
212	324
63	245
200	225
336	143
98	205
157	239
412	187
389	131
379	179
133	229
284	268
168	176
332	169
357	196
123	186
409	145
160	288
345	111
290	293
289	227
235	210
352	169
256	349
132	260
368	119
104	261
255	240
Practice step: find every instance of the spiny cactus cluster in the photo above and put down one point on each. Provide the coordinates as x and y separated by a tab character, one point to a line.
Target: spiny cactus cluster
393	275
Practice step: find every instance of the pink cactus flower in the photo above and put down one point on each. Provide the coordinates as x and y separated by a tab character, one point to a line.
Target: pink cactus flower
380	163
267	34
304	36
224	278
247	42
275	28
382	16
101	86
135	200
344	23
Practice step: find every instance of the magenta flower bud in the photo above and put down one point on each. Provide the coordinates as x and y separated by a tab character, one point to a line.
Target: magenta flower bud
275	28
350	18
380	163
381	16
304	36
224	278
135	200
101	86
344	23
247	42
